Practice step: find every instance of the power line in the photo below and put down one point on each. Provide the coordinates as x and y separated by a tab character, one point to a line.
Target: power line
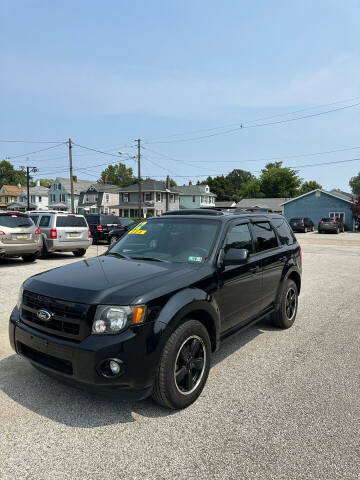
242	126
36	151
27	141
258	119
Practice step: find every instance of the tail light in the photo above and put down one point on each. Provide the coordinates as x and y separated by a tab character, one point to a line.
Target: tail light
300	253
2	233
53	233
38	231
99	228
89	233
321	221
333	222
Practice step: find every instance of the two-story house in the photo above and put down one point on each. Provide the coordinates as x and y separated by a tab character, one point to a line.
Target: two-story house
157	198
196	196
60	193
99	198
38	199
8	194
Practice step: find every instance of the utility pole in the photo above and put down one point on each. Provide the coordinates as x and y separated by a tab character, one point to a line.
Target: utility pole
71	177
28	171
139	174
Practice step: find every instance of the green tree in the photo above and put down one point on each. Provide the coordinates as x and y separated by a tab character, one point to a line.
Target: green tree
44	182
118	174
279	181
251	189
309	186
221	186
238	177
354	183
9	175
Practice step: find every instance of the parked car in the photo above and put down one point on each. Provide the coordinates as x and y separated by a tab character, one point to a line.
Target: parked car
101	225
329	224
144	318
126	225
19	237
62	232
302	224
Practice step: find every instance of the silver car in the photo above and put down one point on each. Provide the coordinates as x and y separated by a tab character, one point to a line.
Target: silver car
19	237
63	232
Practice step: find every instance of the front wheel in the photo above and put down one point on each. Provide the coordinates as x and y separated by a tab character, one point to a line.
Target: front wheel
285	316
184	366
79	253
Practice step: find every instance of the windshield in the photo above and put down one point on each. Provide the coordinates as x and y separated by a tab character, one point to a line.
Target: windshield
172	240
70	221
296	220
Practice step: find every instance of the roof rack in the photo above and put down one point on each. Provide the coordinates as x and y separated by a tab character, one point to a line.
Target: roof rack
195	211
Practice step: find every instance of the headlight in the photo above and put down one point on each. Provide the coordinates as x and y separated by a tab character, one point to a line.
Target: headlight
110	319
20	296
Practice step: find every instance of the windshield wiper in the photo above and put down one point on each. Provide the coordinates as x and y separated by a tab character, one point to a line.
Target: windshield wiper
116	254
154	259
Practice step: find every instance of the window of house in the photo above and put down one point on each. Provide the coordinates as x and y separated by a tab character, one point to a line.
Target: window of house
148	197
125	197
172	197
40	198
239	237
32	198
62	197
159	197
87	197
193	199
337	215
265	236
107	197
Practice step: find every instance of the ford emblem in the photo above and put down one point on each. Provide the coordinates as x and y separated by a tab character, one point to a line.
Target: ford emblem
44	315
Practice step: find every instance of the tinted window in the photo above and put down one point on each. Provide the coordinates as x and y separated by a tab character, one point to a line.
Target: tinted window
327	219
284	231
70	221
44	221
93	219
239	237
34	218
296	219
110	220
126	221
265	236
15	221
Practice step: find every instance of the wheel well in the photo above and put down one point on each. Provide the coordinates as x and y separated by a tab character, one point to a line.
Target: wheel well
297	279
206	319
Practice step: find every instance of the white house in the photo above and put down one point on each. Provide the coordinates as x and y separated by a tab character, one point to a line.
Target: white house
38	199
60	196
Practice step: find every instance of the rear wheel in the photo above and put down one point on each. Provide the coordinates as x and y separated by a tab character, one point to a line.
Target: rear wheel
29	258
305	230
44	250
184	366
285	316
79	253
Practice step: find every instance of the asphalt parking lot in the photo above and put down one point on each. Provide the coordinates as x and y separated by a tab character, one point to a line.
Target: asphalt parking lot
277	405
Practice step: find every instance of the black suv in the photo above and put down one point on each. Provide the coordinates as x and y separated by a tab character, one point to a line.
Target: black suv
302	224
144	318
101	225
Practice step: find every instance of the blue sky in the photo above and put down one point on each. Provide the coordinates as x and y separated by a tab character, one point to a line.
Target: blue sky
107	73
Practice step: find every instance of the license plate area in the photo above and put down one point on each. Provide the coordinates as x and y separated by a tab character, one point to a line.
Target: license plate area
73	235
22	236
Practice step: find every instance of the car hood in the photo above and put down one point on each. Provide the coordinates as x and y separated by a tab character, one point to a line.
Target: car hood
112	280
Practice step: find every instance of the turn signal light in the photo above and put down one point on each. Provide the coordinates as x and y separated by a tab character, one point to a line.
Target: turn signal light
138	315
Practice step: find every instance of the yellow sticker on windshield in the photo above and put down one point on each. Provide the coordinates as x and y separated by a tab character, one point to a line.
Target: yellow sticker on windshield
138	230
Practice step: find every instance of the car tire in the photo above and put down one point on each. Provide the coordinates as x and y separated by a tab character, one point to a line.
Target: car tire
337	231
31	257
305	230
170	390
79	253
44	251
284	316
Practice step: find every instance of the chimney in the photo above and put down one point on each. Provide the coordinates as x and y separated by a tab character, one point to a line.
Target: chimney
190	182
38	183
75	178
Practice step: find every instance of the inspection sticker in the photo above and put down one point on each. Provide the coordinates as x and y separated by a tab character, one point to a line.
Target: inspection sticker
195	259
138	229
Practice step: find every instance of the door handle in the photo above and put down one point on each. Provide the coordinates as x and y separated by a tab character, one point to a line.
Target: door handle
254	269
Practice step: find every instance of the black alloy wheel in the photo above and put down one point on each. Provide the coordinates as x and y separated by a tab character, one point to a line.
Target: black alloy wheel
291	303
190	365
284	316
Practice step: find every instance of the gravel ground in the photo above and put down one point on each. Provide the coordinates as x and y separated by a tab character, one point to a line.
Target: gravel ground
277	405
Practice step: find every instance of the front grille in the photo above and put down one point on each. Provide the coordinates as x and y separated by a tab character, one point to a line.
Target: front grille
59	364
69	319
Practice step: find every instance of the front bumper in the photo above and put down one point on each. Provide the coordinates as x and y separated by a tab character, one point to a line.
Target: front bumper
78	363
16	250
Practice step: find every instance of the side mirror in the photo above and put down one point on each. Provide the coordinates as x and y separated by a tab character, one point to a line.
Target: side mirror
236	256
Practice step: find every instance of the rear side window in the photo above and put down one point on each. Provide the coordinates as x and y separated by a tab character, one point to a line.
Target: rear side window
265	236
70	221
91	219
44	221
239	237
285	234
296	219
15	221
109	220
35	218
